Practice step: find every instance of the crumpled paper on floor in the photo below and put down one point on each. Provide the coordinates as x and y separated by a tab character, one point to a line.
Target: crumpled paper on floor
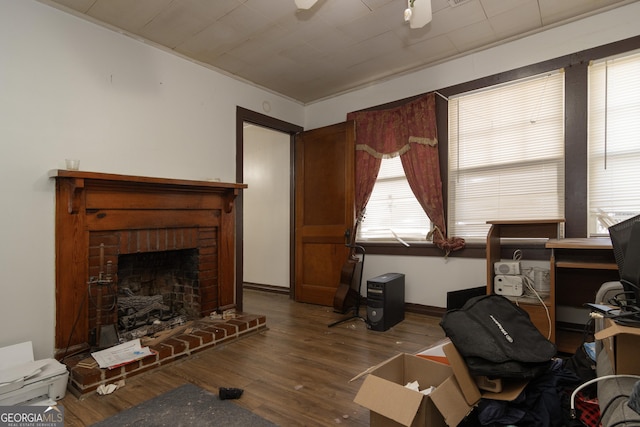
104	389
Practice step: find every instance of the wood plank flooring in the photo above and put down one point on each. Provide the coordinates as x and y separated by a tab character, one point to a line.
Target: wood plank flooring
296	373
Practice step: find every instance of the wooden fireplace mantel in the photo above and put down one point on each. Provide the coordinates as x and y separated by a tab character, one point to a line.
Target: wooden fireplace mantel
123	214
77	178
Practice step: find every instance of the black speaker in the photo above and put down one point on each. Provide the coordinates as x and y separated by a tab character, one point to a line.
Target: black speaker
385	301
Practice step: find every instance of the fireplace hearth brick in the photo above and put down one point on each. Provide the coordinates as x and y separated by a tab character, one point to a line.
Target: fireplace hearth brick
203	334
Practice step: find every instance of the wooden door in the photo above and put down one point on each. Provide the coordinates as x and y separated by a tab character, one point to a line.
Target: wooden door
324	209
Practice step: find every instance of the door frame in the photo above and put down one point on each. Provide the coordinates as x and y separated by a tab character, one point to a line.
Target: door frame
244	115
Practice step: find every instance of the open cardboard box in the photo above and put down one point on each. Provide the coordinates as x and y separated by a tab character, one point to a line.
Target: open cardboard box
383	391
621	344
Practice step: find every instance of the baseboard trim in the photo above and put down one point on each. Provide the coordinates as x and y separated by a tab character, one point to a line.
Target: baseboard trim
266	288
426	310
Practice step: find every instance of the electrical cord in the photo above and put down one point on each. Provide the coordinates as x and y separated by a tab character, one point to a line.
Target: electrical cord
111	287
87	295
624	303
75	323
529	284
621	313
517	255
585	384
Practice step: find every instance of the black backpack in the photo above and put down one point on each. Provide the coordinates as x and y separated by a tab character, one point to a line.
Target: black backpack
497	338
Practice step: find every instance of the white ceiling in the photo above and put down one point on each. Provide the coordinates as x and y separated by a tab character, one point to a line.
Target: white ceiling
337	46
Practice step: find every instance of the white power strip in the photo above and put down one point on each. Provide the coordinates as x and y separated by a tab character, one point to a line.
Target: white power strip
511	286
510	268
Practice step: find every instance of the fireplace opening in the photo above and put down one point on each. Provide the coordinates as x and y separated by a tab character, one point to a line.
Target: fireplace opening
156	291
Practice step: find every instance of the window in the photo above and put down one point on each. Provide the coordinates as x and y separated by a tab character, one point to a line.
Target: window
506	155
614	141
393	213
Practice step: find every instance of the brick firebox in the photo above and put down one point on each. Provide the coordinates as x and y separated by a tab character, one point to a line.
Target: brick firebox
128	214
112	244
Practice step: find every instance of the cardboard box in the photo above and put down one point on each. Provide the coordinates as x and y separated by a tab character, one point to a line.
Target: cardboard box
383	391
621	344
509	390
436	353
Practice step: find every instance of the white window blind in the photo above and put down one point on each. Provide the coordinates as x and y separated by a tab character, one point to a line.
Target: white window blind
393	212
506	155
614	141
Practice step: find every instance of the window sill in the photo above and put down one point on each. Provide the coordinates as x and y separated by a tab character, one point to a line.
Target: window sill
471	250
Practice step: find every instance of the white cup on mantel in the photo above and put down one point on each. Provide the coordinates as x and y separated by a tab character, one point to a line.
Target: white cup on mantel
72	164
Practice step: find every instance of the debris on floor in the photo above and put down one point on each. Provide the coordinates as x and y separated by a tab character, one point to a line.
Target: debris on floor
104	389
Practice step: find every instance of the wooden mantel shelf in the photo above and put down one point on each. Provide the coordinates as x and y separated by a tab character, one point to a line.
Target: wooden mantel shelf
230	190
64	173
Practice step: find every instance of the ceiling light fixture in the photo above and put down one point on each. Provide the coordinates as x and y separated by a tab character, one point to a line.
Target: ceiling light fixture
417	14
305	4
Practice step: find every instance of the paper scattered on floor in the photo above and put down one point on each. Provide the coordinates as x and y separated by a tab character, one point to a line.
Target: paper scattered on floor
122	354
109	388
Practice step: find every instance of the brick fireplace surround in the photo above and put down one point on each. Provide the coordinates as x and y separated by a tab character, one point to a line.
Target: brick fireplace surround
101	216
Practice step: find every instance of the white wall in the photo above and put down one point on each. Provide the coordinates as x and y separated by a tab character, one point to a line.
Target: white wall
266	206
427	278
69	88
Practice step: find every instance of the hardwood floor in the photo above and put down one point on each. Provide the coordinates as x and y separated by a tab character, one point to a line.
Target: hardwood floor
296	373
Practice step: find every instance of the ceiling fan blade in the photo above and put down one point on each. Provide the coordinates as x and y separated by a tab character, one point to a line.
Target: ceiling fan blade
305	4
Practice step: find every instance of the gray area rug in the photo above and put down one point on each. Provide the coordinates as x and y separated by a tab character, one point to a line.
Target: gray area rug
187	405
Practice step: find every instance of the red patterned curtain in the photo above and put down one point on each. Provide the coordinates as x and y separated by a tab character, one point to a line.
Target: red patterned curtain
410	132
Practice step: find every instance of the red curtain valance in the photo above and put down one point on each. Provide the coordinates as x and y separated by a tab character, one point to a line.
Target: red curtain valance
408	131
